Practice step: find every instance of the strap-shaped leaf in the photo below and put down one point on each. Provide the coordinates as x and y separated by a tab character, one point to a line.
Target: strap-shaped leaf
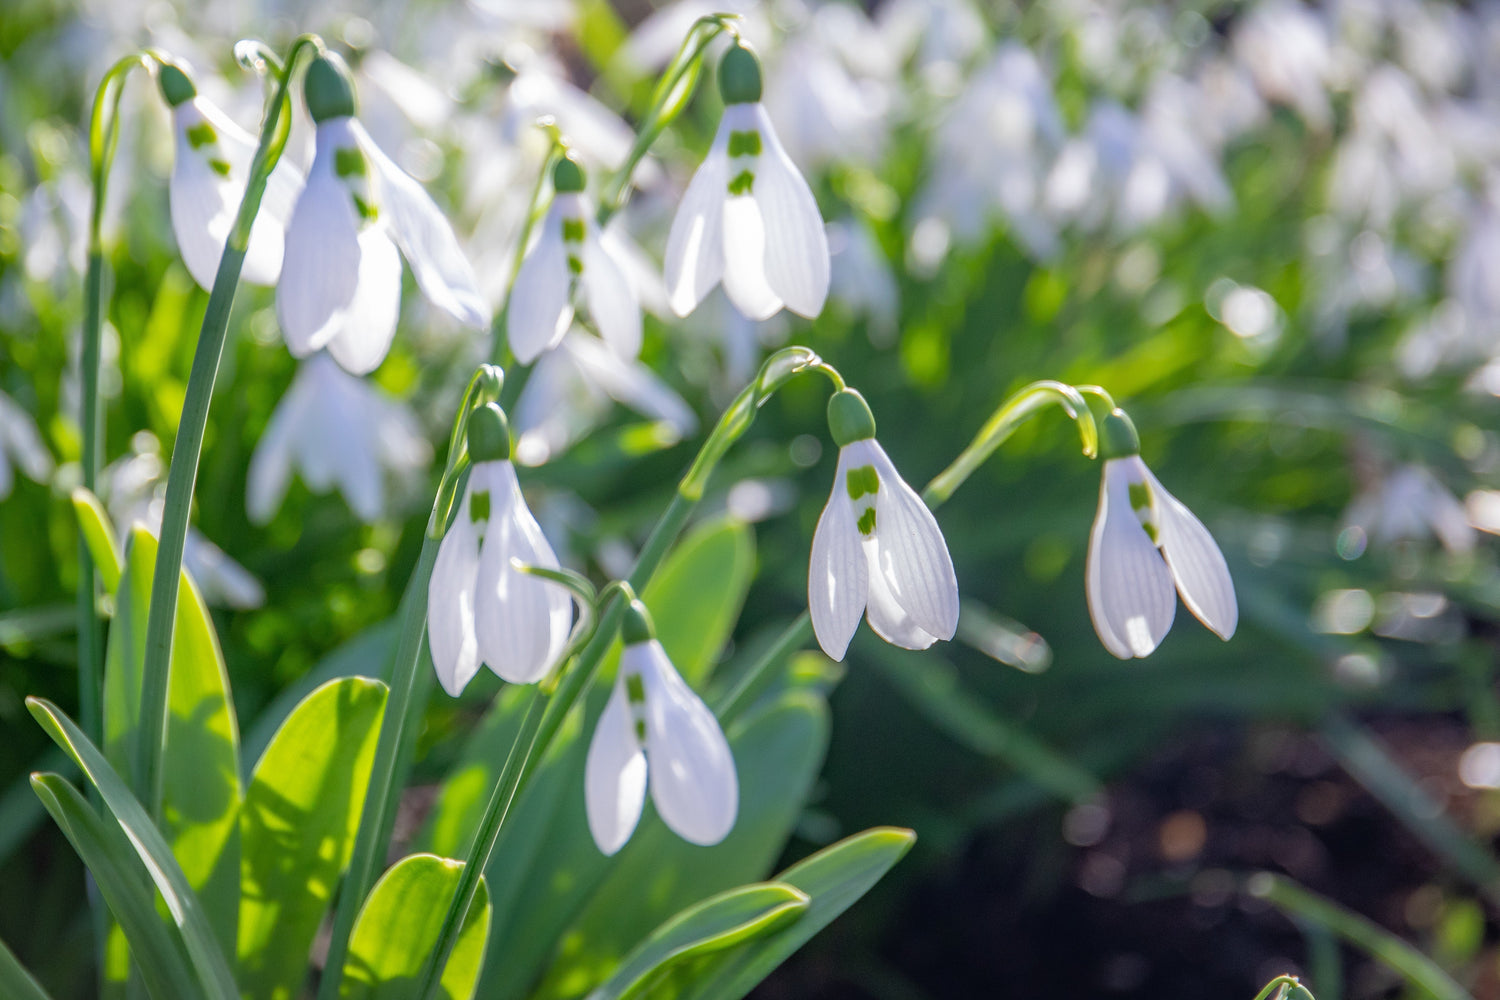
99	536
15	982
297	828
723	921
399	925
182	903
158	947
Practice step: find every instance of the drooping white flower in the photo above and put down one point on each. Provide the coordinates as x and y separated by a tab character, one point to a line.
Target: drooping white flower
748	218
336	430
1144	540
340	288
570	254
210	168
1410	504
480	607
656	731
21	446
877	550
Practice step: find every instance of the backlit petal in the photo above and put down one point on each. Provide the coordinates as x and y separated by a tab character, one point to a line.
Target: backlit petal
321	270
1129	586
911	552
614	776
539	310
611	299
838	574
745	259
367	326
203	202
450	605
694	260
1196	563
796	255
887	618
271	464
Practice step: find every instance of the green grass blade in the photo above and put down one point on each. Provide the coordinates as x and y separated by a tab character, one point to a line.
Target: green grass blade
15	982
99	536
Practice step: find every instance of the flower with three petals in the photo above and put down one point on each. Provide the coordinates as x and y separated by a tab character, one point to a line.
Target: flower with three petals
877	551
656	730
569	254
210	169
748	218
1144	540
481	608
340	285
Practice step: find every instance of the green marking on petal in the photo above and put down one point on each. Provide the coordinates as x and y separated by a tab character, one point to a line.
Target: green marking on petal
744	143
366	208
201	134
635	690
573	230
479	507
863	480
349	162
742	182
1140	502
867	521
575	264
218	166
640	730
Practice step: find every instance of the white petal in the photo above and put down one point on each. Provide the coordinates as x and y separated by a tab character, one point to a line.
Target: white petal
797	263
203	203
630	383
450	604
366	327
611	299
838	574
1129	586
614	776
693	780
745	259
1196	563
695	246
888	619
332	443
539	310
426	238
912	554
321	270
531	547
271	465
20	439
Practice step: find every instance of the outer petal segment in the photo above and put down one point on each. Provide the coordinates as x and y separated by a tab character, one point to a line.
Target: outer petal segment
614	776
450	605
797	263
695	246
612	300
838	574
911	552
539	311
321	270
1129	586
1196	563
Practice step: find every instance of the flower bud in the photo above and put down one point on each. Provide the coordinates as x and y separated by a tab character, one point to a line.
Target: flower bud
1117	436
489	434
175	84
739	75
567	176
328	89
637	626
849	417
491	379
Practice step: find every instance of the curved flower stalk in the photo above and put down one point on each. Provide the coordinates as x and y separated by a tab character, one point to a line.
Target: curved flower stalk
877	551
340	287
570	255
21	446
1144	540
656	730
480	606
210	167
748	218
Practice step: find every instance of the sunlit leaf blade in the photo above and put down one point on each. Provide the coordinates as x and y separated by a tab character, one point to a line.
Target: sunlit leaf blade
301	811
833	880
399	925
99	536
15	982
182	903
719	922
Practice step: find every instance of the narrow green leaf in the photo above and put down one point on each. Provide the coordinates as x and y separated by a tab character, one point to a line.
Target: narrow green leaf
20	813
399	925
298	823
15	982
833	880
182	903
99	535
719	922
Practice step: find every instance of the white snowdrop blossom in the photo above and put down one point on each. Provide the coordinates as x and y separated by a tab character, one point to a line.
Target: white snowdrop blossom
656	730
877	550
1144	540
210	169
480	607
336	430
748	218
1410	504
340	288
21	446
570	254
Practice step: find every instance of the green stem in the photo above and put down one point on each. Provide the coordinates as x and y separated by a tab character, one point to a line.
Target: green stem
754	680
186	450
1278	987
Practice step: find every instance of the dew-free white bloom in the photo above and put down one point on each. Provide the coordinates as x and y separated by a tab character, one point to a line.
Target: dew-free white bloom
877	550
570	254
21	446
748	218
337	430
210	169
480	607
340	286
656	731
1144	540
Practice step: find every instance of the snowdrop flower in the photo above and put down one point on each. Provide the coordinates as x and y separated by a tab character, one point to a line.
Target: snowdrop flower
210	169
748	218
655	723
877	550
337	430
1143	541
480	607
21	445
1410	504
340	287
570	254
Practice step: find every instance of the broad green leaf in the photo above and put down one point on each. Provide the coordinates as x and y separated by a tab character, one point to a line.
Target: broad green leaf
298	823
833	880
182	903
99	536
399	925
778	751
721	921
200	766
15	982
